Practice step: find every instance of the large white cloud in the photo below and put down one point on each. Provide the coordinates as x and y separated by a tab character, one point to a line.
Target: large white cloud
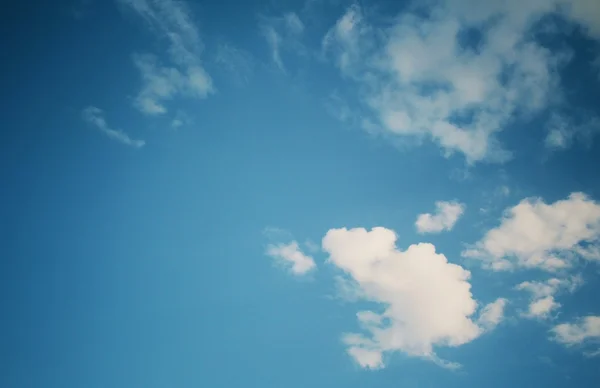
421	77
446	215
585	330
534	234
425	301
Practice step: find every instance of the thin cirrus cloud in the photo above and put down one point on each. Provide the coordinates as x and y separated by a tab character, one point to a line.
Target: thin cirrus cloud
425	300
95	117
282	33
444	218
534	234
420	77
185	76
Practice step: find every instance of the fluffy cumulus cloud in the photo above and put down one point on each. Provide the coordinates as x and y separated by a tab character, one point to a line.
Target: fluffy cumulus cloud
446	215
95	117
457	73
185	75
582	332
543	301
424	300
534	234
292	256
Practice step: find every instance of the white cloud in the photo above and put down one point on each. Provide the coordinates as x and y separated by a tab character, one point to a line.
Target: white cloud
425	300
186	76
95	116
542	294
582	332
274	41
421	77
282	33
291	254
492	314
534	234
446	215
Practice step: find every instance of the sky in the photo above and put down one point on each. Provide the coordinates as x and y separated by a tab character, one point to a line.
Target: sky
295	193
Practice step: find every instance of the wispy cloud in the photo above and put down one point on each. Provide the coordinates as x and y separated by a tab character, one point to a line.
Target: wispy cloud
95	117
444	218
282	32
170	20
292	255
164	83
457	74
580	333
237	62
564	130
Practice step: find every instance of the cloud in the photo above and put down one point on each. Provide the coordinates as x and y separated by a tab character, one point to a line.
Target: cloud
291	254
283	32
186	76
456	74
542	293
446	215
425	301
237	62
293	23
274	41
164	83
95	116
181	119
582	332
563	130
492	314
534	234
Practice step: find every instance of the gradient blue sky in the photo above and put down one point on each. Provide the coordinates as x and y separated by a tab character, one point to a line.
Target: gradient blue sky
317	193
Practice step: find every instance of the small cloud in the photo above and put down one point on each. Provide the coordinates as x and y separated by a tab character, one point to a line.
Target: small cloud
534	234
582	332
543	302
95	117
293	256
446	215
164	83
180	119
492	314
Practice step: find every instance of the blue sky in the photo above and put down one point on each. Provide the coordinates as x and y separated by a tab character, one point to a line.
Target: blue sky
300	193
